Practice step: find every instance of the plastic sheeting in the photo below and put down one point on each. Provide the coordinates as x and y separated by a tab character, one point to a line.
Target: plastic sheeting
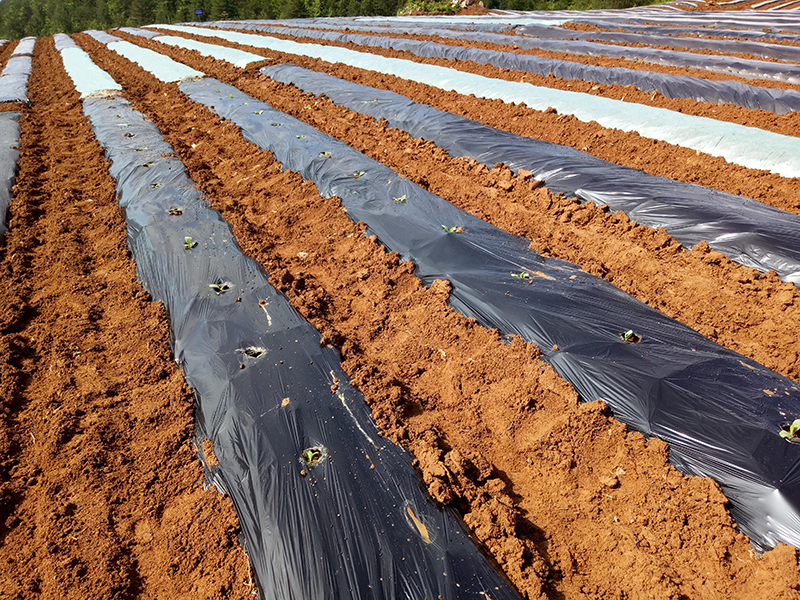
748	232
162	67
672	86
357	524
766	50
714	19
677	33
236	57
140	32
88	78
707	402
14	79
9	155
745	146
25	47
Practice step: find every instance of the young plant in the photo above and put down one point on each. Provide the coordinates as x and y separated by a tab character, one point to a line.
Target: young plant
629	337
325	154
312	456
401	199
220	288
148	165
258	112
307	107
792	432
155	185
359	174
453	229
523	275
275	124
188	243
300	137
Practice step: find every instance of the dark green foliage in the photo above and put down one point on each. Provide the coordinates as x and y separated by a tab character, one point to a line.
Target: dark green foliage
40	18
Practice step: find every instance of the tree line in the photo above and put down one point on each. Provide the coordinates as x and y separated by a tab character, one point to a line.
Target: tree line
41	18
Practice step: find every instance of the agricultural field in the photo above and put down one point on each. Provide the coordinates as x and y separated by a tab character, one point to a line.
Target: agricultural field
495	305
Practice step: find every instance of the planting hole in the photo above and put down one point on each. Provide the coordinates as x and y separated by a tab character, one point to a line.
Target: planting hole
629	337
220	287
253	351
313	456
790	431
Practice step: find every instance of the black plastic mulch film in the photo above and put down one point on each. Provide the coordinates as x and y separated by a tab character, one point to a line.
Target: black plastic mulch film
672	86
15	75
747	231
329	509
9	155
720	412
751	34
759	49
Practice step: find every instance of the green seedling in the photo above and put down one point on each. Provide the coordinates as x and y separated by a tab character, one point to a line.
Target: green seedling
220	288
401	199
258	112
188	243
217	91
307	107
792	432
244	104
275	124
148	165
523	275
300	137
325	154
142	149
231	95
629	337
312	456
453	229
155	185
359	174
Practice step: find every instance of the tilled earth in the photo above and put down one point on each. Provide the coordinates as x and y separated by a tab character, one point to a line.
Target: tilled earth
102	494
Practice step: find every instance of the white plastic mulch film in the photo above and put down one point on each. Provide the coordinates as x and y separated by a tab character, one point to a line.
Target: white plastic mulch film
15	75
162	67
89	79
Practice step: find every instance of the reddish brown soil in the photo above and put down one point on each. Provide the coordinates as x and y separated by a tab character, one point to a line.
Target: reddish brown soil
569	502
628	149
101	492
